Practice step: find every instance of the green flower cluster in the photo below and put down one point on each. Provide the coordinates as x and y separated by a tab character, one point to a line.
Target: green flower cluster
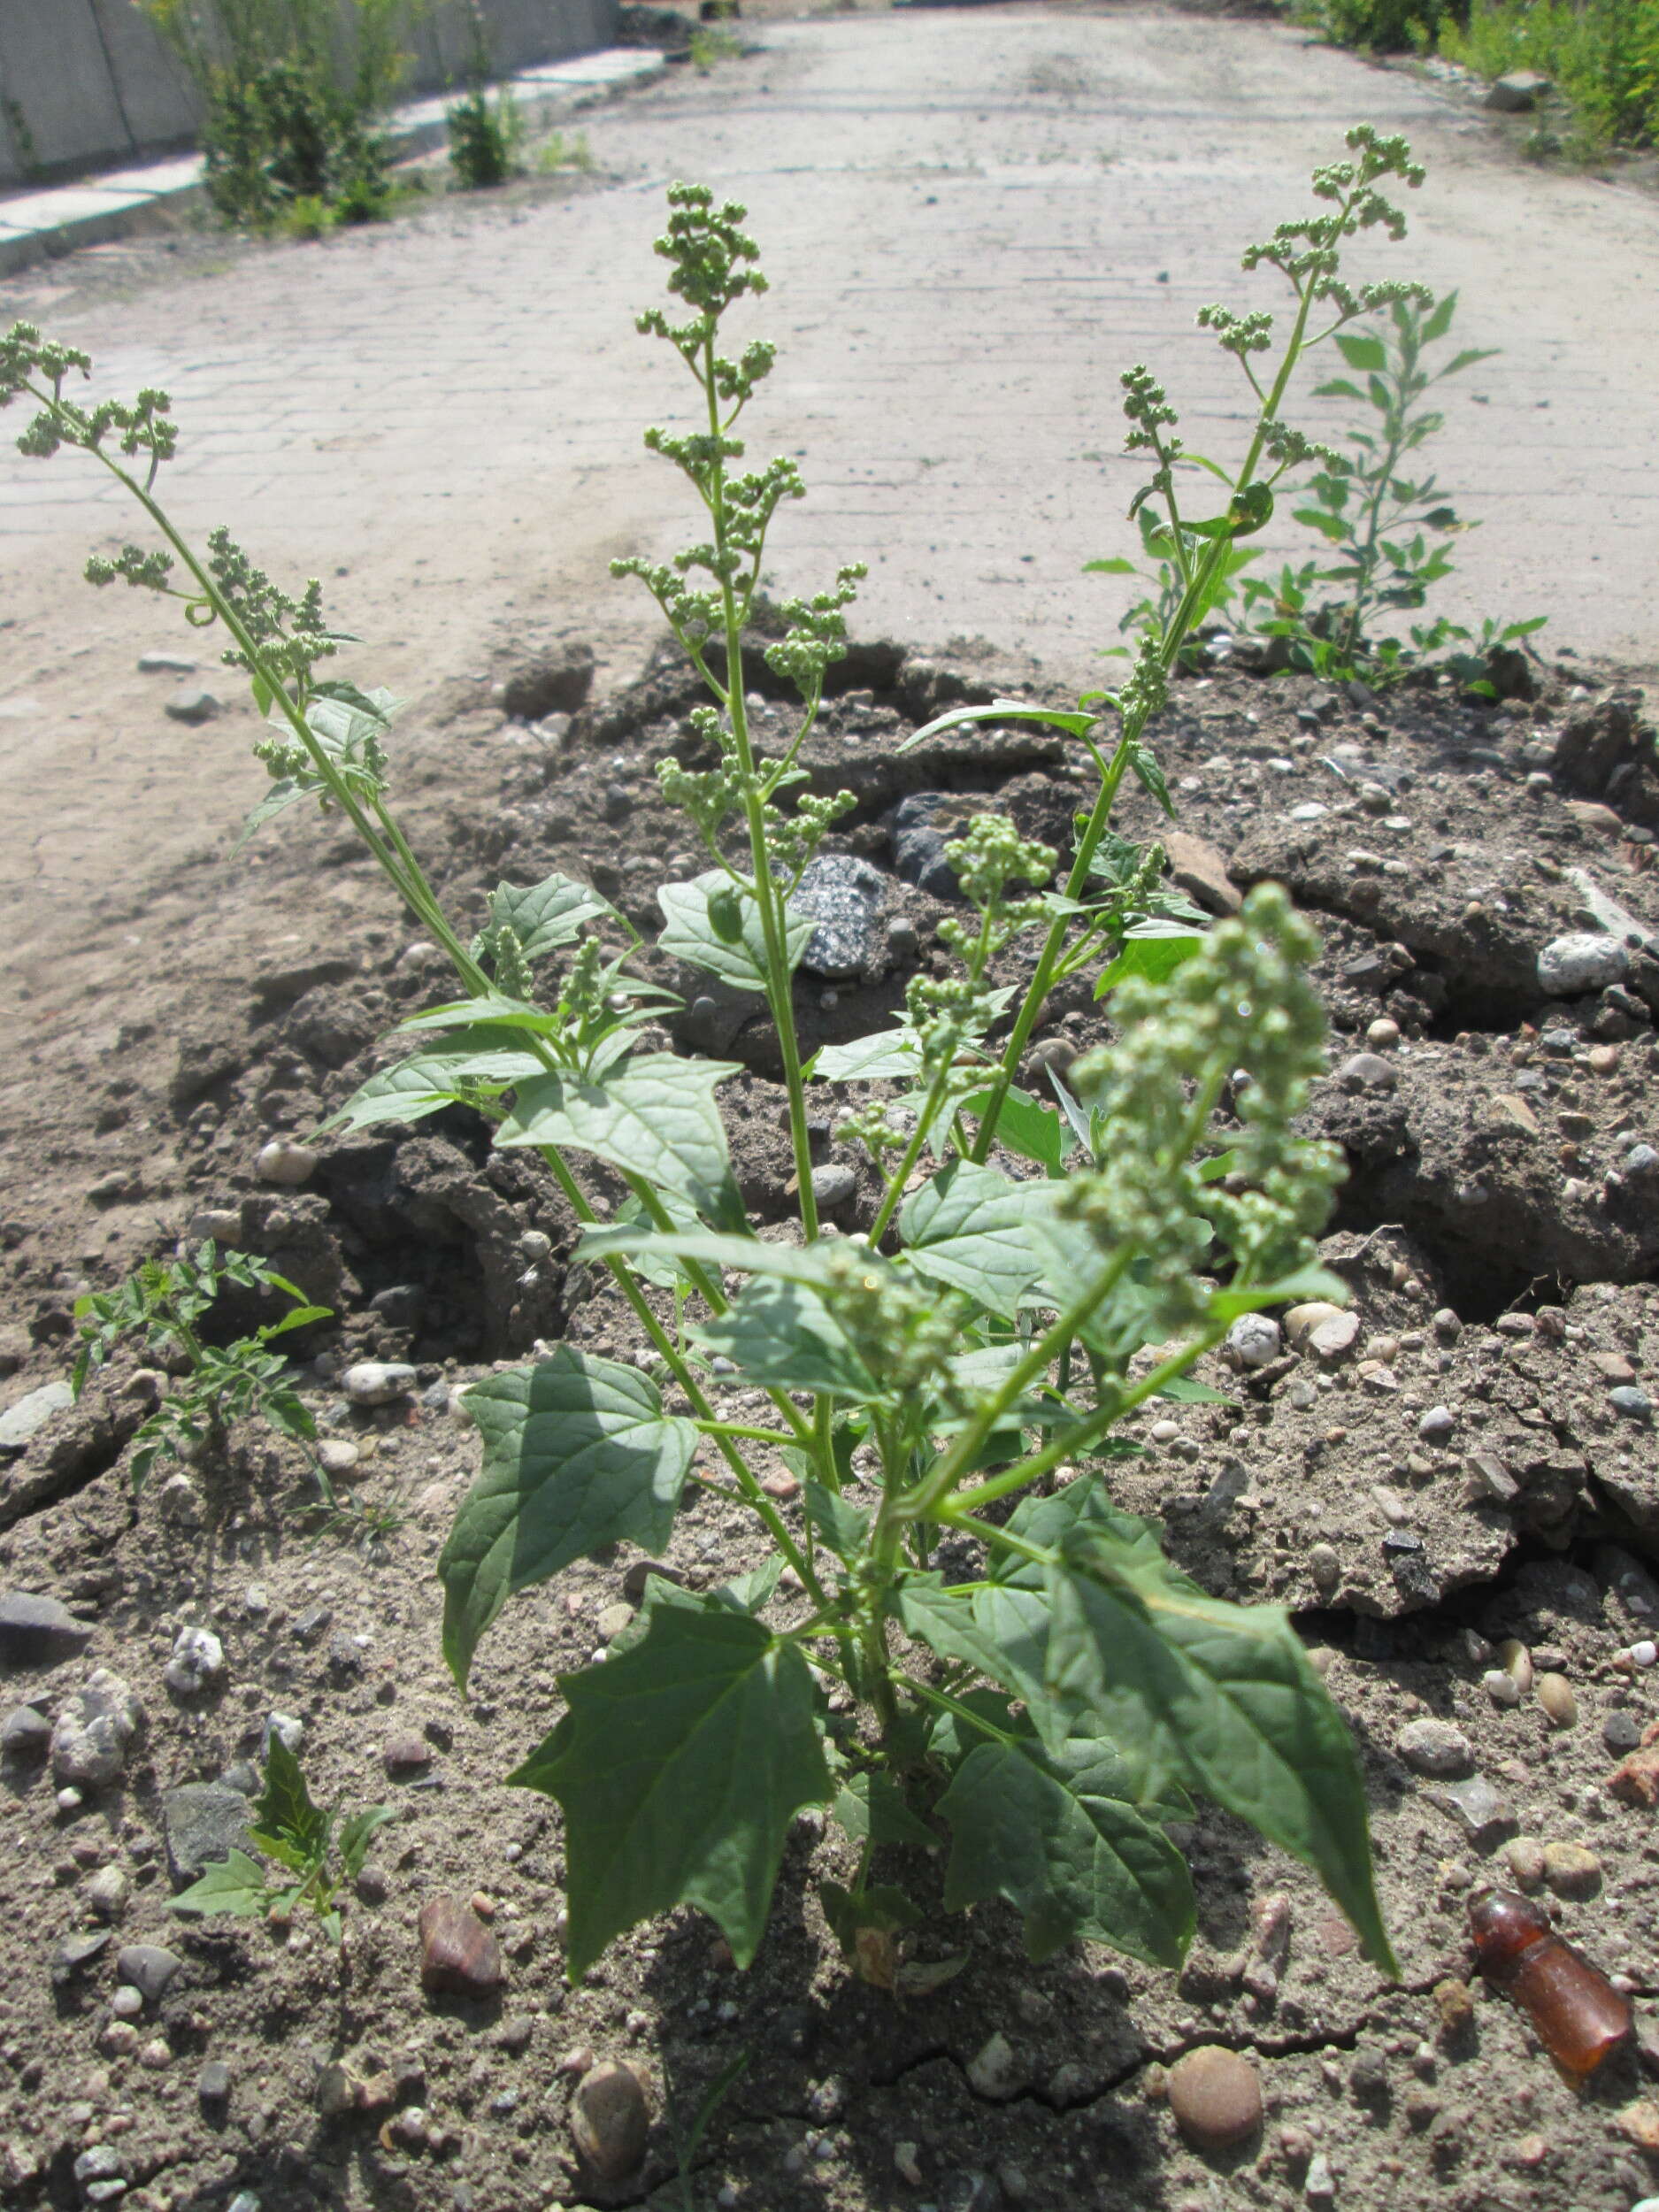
1240	1013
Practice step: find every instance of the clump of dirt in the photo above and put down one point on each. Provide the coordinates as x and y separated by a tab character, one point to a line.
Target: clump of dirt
1467	1456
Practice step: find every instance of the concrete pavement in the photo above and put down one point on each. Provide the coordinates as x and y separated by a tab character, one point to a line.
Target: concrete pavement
971	223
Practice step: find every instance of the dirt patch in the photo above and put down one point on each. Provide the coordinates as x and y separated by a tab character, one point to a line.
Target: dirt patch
1473	1465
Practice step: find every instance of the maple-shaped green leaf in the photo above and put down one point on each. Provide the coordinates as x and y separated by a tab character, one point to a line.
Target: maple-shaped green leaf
235	1885
679	1765
544	916
1053	1834
578	1452
714	925
1220	1696
783	1335
284	1823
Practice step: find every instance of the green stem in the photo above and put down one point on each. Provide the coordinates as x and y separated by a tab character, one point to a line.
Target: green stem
953	1705
922	1503
779	983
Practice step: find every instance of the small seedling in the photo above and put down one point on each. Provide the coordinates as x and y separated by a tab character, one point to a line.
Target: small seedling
1385	528
158	1311
300	1838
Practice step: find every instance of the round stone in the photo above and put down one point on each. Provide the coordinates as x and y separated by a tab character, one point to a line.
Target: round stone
1368	1072
1525	1856
289	1165
1621	1732
1570	1870
1216	2096
375	1382
1501	1688
1437	1424
608	2121
1254	1340
1555	1695
197	1663
1583	960
1325	1566
834	1185
1436	1747
1383	1035
1634	1404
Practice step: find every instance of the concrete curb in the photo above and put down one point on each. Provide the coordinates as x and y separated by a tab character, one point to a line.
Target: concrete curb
40	226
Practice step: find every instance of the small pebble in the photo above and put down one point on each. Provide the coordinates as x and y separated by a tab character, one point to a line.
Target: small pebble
1644	1653
609	2123
1634	1404
1570	1870
1437	1424
1555	1695
1216	2096
1436	1747
1383	1035
1516	1661
1525	1856
374	1382
1254	1340
213	2084
834	1185
107	1893
1621	1732
197	1663
460	1957
1368	1072
1581	962
614	1619
290	1167
1501	1688
995	2070
406	1754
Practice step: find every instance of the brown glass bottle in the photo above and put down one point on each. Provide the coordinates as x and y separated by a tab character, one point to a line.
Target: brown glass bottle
1578	2016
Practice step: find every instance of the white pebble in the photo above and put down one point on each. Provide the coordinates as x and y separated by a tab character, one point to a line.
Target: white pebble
1644	1653
1254	1340
285	1163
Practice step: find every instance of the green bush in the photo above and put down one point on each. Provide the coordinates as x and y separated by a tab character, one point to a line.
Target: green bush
291	91
1603	54
1383	26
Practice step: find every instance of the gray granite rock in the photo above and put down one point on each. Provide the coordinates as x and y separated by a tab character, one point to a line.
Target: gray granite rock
844	898
202	1822
95	1732
27	1416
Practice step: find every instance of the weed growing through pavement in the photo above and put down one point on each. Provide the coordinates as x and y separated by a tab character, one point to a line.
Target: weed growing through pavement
157	1312
317	1856
1385	528
1047	1686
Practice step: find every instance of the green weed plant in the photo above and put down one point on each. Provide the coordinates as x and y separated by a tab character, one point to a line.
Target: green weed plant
292	92
963	1369
1602	55
310	1855
158	1313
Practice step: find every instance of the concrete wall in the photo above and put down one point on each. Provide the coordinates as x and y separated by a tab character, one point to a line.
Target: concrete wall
87	83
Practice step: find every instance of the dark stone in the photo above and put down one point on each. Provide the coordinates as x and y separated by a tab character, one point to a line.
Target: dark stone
843	896
555	682
148	1967
75	1954
24	1734
202	1822
459	1956
38	1631
213	2086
